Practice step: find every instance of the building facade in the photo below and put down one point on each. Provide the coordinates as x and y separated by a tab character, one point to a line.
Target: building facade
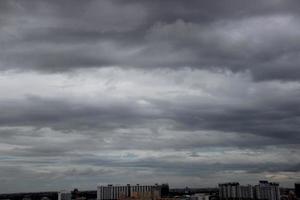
235	191
63	195
267	191
246	192
263	191
111	192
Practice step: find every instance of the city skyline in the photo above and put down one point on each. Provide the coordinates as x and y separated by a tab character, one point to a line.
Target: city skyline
224	190
192	93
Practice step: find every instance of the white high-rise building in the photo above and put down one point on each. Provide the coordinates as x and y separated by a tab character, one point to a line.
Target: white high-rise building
267	191
246	192
234	191
111	192
263	191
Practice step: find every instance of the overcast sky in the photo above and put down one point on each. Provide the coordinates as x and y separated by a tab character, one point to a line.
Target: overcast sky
192	93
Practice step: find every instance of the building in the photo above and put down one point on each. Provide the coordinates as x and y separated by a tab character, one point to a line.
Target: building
234	191
229	190
63	195
297	190
246	192
111	192
165	190
267	191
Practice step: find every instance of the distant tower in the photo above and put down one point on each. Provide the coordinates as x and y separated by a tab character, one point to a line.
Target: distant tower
164	190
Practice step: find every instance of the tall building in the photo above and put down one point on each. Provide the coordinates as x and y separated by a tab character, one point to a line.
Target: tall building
246	192
297	190
63	195
165	190
111	192
235	191
267	191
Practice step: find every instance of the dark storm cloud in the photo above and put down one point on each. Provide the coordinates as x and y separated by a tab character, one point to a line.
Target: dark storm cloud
273	122
65	115
260	36
161	124
129	91
193	168
274	117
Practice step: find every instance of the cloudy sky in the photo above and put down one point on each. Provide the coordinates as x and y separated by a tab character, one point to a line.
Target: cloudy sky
188	92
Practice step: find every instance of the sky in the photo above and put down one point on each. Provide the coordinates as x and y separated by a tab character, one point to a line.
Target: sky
188	92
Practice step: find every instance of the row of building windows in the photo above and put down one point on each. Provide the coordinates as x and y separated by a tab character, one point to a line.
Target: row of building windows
111	192
263	191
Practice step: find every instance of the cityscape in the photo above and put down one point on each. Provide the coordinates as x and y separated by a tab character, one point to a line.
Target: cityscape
149	99
264	190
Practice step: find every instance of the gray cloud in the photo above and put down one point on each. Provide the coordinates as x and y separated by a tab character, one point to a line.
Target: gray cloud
259	37
128	92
